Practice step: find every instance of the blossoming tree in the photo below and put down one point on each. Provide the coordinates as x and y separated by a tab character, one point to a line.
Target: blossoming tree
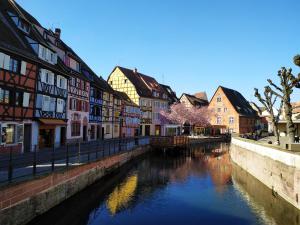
181	114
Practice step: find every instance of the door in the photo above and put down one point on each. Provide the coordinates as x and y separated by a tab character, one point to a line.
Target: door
62	136
27	138
157	130
147	130
102	133
98	132
84	133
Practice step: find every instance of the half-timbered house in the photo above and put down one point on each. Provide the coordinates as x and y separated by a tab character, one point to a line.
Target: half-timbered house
18	68
49	128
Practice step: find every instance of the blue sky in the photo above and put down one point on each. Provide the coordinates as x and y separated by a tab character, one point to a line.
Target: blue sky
191	45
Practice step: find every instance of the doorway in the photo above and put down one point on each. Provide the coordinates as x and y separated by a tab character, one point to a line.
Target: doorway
157	130
62	136
147	130
27	138
84	133
98	132
102	133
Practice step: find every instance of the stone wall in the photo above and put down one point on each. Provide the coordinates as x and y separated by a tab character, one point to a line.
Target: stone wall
279	170
20	203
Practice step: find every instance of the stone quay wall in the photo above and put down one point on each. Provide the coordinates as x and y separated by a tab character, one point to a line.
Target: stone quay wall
277	169
20	203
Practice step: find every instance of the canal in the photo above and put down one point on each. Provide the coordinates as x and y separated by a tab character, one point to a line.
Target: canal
198	186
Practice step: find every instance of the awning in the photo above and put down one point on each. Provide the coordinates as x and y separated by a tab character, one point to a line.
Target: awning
52	122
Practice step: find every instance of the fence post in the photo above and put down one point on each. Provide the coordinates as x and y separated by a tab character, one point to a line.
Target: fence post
52	160
97	148
34	161
109	148
79	152
103	147
10	165
67	156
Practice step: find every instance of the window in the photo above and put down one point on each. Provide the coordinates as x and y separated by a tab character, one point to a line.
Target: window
225	109
4	61
61	82
47	76
107	129
219	120
8	134
4	96
18	98
231	120
75	128
13	65
219	110
125	81
47	55
219	99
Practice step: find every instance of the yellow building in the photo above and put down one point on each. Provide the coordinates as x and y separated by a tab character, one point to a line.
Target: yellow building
144	91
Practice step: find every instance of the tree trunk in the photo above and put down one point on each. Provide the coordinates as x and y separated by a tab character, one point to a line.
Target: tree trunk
290	128
276	132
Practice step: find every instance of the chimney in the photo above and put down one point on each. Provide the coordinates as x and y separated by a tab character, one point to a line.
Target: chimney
135	70
57	32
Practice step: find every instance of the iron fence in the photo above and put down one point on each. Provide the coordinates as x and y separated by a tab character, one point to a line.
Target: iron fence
18	167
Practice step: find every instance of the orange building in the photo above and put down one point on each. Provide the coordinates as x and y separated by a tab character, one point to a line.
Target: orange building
232	113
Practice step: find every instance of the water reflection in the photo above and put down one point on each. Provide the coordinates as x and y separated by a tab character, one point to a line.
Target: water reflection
270	209
198	186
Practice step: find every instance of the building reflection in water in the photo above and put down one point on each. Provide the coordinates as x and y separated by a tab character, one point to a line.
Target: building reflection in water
147	182
122	194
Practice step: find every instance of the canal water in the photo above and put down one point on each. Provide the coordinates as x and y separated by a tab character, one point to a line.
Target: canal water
198	186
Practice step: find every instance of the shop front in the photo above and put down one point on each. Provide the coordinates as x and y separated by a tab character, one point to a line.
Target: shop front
52	132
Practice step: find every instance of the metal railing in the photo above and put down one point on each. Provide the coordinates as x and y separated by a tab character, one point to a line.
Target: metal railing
19	167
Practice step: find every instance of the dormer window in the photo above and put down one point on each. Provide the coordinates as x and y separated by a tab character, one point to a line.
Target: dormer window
20	23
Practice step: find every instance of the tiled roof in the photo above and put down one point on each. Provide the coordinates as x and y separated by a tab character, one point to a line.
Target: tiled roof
144	84
201	95
195	101
171	94
238	101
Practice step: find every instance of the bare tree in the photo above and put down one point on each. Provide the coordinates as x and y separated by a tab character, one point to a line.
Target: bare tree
268	102
287	84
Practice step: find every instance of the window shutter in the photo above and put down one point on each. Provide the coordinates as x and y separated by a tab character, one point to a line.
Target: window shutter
1	60
46	103
6	62
40	51
51	78
59	105
52	104
26	97
58	78
23	68
43	75
65	83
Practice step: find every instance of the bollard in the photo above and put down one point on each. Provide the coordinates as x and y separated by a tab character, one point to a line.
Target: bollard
79	152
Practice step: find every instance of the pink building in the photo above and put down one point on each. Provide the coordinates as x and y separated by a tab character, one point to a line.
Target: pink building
130	116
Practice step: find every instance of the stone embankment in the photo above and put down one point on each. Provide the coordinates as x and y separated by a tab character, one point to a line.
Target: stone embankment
277	169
